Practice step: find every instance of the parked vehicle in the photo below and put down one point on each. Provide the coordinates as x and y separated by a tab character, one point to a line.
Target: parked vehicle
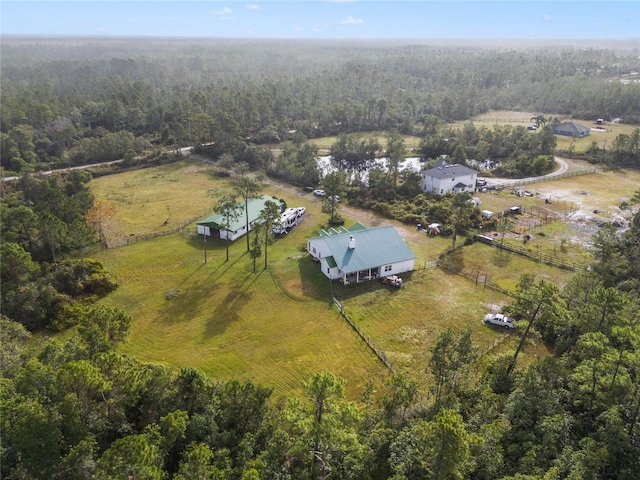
286	221
334	197
309	189
392	280
499	319
319	192
300	211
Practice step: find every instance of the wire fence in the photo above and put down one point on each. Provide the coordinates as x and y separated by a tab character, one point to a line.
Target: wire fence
539	257
370	343
528	181
120	241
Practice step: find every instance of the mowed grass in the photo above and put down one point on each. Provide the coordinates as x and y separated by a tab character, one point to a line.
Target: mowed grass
324	143
157	199
277	326
564	143
228	321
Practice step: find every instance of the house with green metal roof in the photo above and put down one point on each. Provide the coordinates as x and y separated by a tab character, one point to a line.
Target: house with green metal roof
212	226
361	253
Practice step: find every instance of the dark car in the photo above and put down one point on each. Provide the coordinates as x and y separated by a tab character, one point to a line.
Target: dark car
309	189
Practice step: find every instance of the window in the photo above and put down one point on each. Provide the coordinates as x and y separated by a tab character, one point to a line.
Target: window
314	249
388	268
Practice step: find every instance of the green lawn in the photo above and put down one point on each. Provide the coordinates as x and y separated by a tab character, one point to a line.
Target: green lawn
277	326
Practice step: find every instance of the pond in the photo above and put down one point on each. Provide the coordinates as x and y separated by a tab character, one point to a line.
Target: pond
410	163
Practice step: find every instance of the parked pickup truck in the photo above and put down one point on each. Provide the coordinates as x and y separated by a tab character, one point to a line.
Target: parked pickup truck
499	319
392	280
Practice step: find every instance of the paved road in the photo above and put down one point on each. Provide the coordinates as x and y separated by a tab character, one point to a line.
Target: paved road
564	167
186	151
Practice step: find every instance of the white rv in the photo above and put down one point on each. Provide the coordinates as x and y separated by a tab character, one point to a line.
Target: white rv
286	221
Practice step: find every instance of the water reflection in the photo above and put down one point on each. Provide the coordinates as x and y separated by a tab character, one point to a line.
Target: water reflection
411	163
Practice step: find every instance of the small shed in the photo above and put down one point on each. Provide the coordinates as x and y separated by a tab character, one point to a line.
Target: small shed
487	214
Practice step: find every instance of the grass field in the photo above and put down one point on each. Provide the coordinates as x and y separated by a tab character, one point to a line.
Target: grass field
500	117
277	327
149	197
605	137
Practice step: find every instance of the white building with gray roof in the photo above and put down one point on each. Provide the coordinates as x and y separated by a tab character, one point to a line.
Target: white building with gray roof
448	178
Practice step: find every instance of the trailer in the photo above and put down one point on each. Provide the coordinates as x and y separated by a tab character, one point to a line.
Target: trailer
286	221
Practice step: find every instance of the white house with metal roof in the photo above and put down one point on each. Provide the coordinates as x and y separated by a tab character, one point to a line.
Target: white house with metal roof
360	253
448	178
213	225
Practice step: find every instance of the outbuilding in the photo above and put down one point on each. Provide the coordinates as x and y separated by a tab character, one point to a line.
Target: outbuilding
570	129
213	225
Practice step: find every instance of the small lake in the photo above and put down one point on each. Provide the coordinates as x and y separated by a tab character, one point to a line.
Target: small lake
411	163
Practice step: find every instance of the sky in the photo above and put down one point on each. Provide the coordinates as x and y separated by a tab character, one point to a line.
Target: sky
327	19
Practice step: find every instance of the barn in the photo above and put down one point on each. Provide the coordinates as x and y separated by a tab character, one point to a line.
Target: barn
212	226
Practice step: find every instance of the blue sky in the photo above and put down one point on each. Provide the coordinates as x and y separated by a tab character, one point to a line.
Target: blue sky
522	19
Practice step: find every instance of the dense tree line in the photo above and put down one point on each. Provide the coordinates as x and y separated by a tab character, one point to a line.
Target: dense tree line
78	409
44	219
75	101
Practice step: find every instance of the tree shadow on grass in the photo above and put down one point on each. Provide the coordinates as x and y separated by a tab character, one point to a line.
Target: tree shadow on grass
226	312
455	261
500	258
185	305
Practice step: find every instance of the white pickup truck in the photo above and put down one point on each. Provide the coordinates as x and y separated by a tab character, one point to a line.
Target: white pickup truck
500	320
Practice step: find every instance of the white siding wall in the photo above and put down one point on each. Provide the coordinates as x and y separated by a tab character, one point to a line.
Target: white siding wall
318	248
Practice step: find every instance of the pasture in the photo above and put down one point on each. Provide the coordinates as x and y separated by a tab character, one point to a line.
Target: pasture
600	137
277	326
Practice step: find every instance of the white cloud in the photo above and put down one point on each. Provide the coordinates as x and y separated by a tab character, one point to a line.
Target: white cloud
224	12
352	21
547	17
253	7
298	29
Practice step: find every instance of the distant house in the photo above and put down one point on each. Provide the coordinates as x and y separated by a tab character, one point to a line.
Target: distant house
360	253
570	129
212	226
445	178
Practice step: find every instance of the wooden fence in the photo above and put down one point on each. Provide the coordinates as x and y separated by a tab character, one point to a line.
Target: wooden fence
537	257
479	279
120	241
377	352
528	181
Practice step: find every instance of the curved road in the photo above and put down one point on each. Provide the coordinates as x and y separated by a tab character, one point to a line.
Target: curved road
564	167
186	151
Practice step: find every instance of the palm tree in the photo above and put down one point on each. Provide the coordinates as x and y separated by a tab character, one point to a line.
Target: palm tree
540	120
